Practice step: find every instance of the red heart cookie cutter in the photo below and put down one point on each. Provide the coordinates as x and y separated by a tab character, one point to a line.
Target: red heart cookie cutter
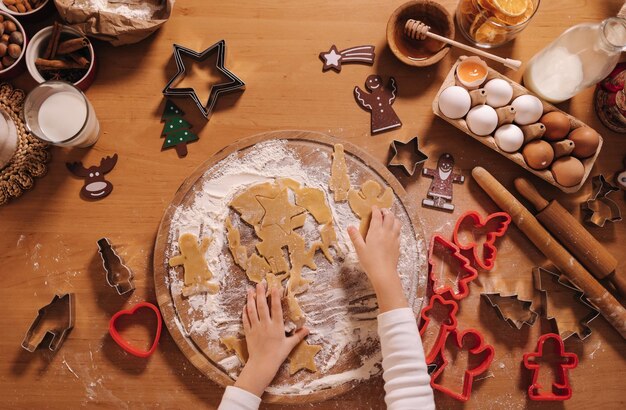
123	343
476	348
497	222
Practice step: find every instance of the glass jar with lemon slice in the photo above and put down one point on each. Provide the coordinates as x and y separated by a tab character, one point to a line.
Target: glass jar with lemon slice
491	23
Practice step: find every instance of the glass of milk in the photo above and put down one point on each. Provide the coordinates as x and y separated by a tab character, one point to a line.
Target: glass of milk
579	58
60	114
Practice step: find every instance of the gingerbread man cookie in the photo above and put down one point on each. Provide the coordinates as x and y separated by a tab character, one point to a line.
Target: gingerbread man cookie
361	202
197	274
440	191
378	103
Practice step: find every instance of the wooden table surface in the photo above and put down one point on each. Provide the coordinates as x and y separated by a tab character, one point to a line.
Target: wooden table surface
48	236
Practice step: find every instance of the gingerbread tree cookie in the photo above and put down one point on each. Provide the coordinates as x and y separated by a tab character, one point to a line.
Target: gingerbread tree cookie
339	182
197	274
361	202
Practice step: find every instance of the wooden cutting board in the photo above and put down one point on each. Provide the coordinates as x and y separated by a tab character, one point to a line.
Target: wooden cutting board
208	355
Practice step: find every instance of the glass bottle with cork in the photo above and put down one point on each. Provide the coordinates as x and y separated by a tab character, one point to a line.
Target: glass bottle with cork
579	58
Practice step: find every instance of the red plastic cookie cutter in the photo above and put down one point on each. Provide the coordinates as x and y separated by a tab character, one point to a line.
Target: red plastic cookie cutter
495	225
561	388
445	327
464	265
478	347
123	343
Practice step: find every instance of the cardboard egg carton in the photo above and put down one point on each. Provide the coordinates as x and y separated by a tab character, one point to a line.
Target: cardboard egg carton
516	157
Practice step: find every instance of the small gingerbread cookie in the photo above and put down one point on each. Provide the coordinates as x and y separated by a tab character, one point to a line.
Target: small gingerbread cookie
197	273
361	202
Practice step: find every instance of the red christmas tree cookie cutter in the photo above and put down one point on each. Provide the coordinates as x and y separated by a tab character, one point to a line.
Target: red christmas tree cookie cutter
446	326
123	343
497	224
464	265
561	388
478	347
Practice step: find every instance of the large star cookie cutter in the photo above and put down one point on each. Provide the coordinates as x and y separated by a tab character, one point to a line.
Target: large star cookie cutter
234	83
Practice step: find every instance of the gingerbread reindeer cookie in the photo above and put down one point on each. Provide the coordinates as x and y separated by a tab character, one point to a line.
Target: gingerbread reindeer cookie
440	191
378	102
197	274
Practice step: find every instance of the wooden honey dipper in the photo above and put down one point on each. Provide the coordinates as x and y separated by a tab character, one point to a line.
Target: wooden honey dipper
417	30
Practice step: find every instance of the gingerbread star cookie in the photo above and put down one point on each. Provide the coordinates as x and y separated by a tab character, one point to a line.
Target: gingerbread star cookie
301	357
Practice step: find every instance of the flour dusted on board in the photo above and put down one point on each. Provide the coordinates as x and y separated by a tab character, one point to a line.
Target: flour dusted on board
344	322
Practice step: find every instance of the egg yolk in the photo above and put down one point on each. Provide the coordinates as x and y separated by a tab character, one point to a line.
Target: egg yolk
471	71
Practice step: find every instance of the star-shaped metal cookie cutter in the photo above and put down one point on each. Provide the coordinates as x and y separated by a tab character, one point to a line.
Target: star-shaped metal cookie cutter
417	156
599	208
234	84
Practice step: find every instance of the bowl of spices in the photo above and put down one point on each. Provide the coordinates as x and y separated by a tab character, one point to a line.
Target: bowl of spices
27	10
61	53
415	52
12	46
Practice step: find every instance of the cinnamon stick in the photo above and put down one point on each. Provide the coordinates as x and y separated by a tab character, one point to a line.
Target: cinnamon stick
43	64
71	45
51	49
79	60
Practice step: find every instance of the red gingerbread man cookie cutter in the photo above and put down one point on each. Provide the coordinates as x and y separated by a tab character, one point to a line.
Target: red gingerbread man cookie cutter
464	266
477	348
561	388
495	226
123	343
446	326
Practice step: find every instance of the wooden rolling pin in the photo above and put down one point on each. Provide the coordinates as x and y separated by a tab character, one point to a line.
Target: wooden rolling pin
573	236
606	303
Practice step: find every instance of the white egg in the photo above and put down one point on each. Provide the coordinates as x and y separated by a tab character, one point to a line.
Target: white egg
528	109
482	120
499	92
454	102
509	138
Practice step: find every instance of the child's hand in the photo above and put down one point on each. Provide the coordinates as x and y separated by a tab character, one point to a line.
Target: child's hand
268	347
379	254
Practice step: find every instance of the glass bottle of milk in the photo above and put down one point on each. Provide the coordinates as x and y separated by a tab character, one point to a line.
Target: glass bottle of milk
582	56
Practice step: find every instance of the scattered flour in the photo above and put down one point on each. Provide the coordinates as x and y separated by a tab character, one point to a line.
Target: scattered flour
339	305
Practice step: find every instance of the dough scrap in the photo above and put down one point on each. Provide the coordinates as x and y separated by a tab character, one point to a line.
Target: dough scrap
301	357
246	203
197	274
239	252
371	193
237	345
257	268
294	311
314	201
329	238
339	182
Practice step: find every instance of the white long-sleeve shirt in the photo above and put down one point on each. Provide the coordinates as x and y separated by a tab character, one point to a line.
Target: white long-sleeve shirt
407	383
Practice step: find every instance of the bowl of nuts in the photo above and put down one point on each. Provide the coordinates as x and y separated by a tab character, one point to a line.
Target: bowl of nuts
27	10
12	46
61	53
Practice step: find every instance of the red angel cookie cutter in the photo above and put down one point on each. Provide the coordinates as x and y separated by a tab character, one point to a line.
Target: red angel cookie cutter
123	343
492	227
478	347
445	326
439	244
561	388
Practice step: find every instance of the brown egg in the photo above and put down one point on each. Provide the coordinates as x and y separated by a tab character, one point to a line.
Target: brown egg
586	142
557	125
568	171
538	154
